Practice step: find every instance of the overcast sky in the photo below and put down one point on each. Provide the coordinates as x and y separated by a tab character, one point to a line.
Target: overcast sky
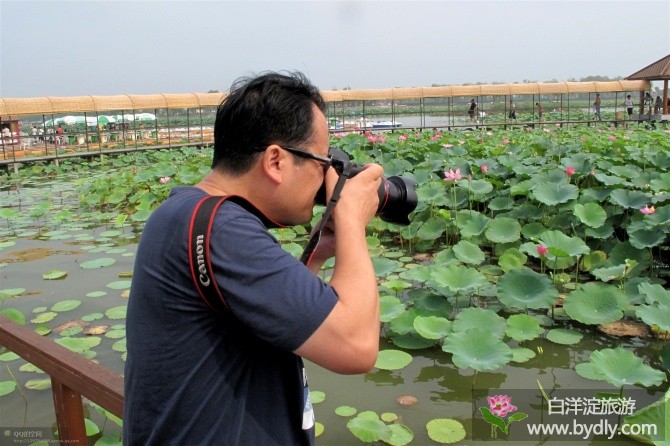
73	48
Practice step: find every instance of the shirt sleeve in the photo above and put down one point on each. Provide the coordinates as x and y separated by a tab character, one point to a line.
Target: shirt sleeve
267	289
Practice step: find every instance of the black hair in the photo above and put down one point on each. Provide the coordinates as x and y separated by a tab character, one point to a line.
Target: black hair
272	108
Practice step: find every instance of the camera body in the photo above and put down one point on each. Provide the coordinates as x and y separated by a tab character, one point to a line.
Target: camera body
397	195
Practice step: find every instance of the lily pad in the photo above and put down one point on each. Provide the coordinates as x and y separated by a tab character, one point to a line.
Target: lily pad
392	360
7	387
591	214
432	327
468	252
458	278
596	303
98	263
369	428
345	411
619	367
655	314
564	336
477	348
54	275
503	230
65	305
445	430
476	317
552	194
522	327
655	414
524	288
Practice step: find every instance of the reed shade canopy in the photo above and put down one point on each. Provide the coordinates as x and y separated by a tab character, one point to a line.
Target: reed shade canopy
657	71
11	108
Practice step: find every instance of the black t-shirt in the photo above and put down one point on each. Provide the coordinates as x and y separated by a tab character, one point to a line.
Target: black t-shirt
194	377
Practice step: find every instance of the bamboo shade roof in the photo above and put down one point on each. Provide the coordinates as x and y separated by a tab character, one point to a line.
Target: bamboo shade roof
51	105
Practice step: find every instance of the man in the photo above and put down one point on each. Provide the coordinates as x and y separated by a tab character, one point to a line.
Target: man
194	376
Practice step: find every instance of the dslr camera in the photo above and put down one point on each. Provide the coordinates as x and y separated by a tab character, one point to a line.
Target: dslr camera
397	196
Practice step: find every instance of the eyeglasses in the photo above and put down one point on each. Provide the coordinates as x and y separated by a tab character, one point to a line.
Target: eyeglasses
327	161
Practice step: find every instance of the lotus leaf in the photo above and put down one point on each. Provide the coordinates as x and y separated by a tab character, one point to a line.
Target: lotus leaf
571	246
476	317
655	314
66	305
38	384
592	259
610	273
522	354
629	199
591	214
118	312
7	387
655	293
390	307
459	278
54	275
477	187
445	431
477	348
468	252
500	203
552	194
620	367
503	230
564	336
596	303
345	411
367	427
98	263
384	266
432	327
654	414
524	288
14	314
646	238
471	223
522	327
431	229
392	360
603	232
512	259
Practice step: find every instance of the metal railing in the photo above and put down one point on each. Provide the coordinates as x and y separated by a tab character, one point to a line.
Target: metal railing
72	377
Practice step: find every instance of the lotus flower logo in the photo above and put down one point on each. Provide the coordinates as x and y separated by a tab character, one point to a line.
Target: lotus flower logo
499	407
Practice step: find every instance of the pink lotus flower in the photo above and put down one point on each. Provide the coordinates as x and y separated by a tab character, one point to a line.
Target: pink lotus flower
484	168
164	180
447	146
452	175
489	133
403	137
570	171
542	250
612	138
646	210
501	405
505	141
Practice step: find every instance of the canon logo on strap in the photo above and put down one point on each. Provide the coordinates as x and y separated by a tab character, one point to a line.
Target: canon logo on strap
202	267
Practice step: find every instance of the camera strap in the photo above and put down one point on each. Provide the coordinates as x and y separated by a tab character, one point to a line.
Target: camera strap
316	234
200	263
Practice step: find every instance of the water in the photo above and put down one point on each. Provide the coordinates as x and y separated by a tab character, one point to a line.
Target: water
442	390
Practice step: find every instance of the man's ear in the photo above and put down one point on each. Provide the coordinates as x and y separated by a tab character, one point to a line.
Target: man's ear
274	162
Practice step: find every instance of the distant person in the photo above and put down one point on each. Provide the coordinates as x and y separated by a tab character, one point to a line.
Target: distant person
472	110
596	107
648	102
629	106
512	110
658	105
540	111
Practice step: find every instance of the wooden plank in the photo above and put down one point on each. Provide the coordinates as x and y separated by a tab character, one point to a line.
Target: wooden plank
93	381
69	414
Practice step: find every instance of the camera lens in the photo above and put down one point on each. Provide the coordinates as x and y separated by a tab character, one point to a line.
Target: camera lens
397	198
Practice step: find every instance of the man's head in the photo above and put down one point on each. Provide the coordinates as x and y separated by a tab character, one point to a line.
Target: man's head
272	108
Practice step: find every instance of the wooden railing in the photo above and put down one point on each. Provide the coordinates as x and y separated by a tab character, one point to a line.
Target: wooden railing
72	376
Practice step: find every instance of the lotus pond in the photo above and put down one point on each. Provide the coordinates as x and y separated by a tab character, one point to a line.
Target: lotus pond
535	263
